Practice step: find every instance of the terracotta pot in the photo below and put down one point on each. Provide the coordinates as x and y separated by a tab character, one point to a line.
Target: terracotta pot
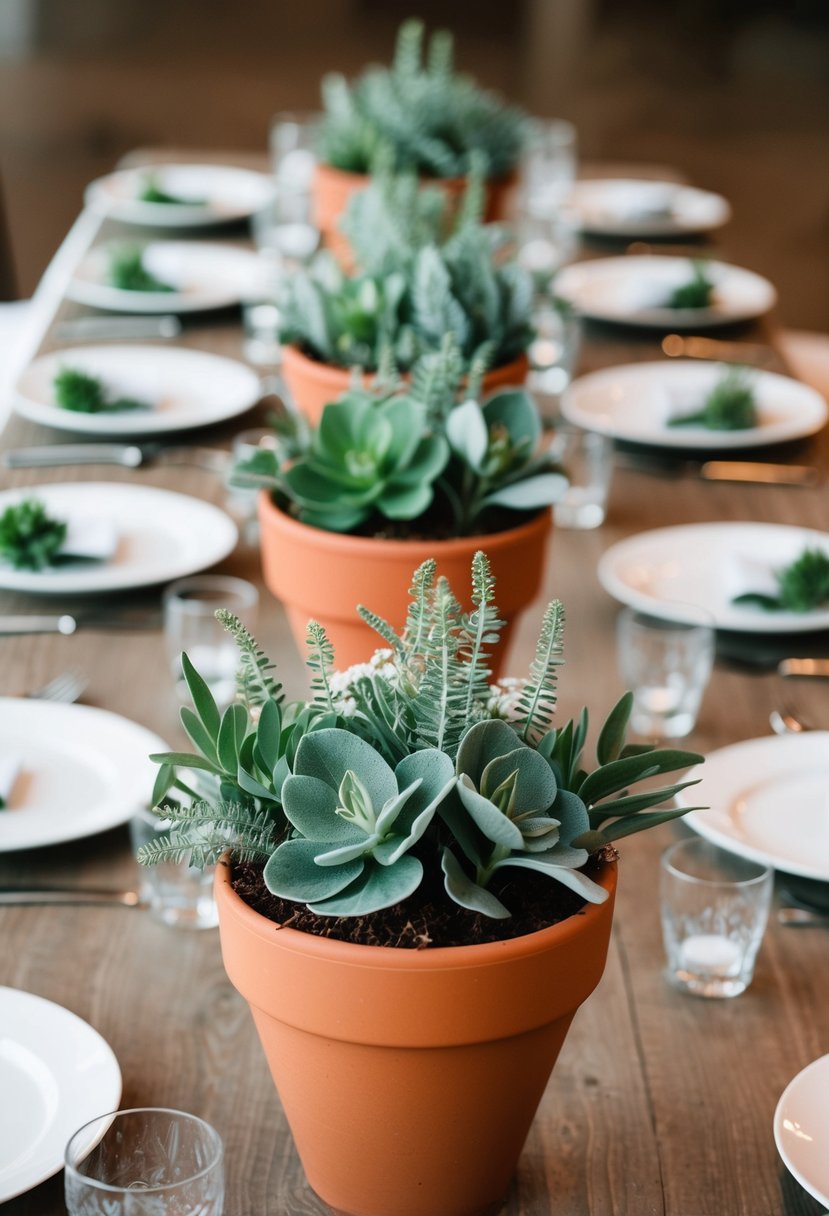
313	384
332	188
325	575
410	1078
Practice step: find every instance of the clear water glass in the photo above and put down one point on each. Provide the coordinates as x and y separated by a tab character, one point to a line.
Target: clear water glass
552	354
284	232
293	144
667	665
715	907
548	166
150	1162
587	461
190	625
178	894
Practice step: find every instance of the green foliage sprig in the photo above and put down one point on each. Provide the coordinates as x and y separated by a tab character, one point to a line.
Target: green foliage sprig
408	764
81	393
802	586
128	272
30	538
730	406
697	292
152	192
427	117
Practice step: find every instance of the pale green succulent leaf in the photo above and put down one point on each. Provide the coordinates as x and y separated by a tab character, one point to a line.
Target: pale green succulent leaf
531	494
377	887
493	823
329	754
292	873
535	786
566	875
468	894
310	806
466	431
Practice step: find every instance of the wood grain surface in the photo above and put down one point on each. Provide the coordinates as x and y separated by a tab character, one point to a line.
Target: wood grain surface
660	1105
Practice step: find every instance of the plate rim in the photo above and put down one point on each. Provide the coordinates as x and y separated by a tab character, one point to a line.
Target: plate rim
716	441
58	419
641	228
820	1062
113	1074
665	318
190	216
221	552
695	820
154	742
642	603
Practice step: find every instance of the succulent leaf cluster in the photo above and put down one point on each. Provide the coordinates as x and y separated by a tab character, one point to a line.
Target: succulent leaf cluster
30	538
730	406
414	455
802	586
424	115
81	393
351	809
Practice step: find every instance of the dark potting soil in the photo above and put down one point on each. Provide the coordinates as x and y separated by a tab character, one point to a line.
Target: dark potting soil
428	918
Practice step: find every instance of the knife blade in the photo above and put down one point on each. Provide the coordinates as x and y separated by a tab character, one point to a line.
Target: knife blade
19	896
127	455
761	473
813	668
30	623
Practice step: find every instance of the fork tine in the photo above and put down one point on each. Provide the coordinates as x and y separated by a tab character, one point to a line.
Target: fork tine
66	687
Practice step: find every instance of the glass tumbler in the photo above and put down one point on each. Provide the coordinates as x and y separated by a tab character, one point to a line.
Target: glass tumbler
587	461
190	625
150	1162
667	665
714	911
293	140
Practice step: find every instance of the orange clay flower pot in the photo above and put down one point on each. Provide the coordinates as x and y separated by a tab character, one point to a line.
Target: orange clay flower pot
313	384
325	575
332	188
410	1078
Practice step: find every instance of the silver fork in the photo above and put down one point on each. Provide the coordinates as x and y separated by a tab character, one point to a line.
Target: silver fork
66	687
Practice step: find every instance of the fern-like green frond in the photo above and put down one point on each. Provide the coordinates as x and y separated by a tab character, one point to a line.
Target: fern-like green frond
417	618
254	682
320	660
381	627
200	832
538	698
439	703
479	630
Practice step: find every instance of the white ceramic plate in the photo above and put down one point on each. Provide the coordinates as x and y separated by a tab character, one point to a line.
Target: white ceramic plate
635	403
223	193
203	276
706	565
626	207
632	291
186	389
161	536
768	800
82	770
56	1073
801	1128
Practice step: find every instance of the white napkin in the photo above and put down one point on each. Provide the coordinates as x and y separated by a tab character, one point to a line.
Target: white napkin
638	201
743	572
9	772
90	539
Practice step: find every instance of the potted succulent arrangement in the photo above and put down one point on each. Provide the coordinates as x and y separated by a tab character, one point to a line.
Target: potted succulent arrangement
425	117
391	477
416	890
421	274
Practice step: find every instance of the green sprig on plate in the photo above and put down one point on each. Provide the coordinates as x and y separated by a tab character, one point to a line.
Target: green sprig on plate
730	406
697	292
128	273
152	192
30	538
801	586
81	393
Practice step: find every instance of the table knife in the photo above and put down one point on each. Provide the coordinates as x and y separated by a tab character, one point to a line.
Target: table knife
767	474
804	667
19	896
13	624
128	455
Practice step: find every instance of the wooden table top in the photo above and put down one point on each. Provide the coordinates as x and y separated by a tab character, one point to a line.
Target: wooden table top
660	1104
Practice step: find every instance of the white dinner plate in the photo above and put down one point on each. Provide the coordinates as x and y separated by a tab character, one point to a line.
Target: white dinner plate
161	536
627	207
81	771
56	1073
220	193
635	402
664	571
203	276
801	1128
185	388
768	800
633	291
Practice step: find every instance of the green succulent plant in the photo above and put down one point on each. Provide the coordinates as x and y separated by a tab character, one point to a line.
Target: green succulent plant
802	586
697	292
420	276
414	455
422	113
730	406
30	538
407	768
152	192
81	393
128	272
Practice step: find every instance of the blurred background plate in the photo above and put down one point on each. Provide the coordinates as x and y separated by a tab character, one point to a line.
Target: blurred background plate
626	207
221	194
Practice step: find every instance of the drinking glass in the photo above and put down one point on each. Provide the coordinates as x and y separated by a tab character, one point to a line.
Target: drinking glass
667	664
552	354
150	1162
587	461
178	894
293	140
714	911
283	230
190	625
548	166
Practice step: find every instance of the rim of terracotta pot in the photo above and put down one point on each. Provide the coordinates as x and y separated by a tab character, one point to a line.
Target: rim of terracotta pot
437	958
341	376
364	546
